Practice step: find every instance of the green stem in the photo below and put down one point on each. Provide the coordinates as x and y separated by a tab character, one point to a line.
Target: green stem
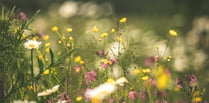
64	43
56	78
31	67
149	94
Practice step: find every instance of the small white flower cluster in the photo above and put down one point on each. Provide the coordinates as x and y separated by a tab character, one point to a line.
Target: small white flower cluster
49	91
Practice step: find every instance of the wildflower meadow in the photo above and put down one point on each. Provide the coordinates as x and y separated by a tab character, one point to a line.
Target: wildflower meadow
79	53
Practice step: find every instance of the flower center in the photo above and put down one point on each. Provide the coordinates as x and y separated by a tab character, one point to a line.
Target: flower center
32	45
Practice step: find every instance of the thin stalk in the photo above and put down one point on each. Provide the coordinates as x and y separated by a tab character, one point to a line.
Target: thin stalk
31	67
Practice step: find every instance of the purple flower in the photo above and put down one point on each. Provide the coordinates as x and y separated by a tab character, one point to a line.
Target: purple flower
114	60
22	16
100	53
105	65
142	95
191	78
40	35
90	75
179	83
132	95
150	60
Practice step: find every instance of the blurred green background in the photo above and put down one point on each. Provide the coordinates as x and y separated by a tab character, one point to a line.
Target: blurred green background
158	15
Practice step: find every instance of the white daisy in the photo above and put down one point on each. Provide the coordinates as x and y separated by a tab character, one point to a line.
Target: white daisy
49	91
32	44
102	91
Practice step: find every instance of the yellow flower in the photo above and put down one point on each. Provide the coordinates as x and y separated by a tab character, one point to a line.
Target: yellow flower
35	38
71	38
95	29
47	50
173	33
112	30
123	20
105	61
47	44
79	98
145	78
136	71
196	93
16	29
110	62
46	72
63	37
96	99
40	56
169	58
146	70
69	30
119	39
81	62
110	80
46	59
30	87
77	70
196	100
162	81
104	34
46	37
59	42
68	44
23	36
163	78
77	59
54	28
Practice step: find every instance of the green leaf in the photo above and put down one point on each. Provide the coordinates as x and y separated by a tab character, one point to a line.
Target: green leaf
34	16
62	58
45	83
52	56
40	65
